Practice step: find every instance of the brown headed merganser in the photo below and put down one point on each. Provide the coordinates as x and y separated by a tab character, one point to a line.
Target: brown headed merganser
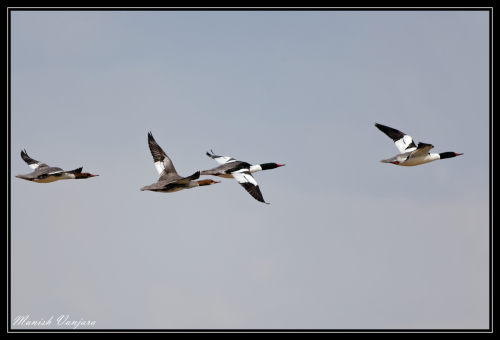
411	154
47	174
241	171
169	180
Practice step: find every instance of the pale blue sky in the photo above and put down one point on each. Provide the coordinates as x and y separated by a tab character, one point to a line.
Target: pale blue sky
347	242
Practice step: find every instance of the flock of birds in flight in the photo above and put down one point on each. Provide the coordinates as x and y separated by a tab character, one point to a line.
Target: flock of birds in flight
170	181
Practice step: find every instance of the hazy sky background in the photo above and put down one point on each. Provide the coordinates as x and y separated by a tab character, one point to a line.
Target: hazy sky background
346	242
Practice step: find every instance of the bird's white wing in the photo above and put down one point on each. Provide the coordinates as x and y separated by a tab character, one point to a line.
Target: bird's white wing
403	142
221	159
246	180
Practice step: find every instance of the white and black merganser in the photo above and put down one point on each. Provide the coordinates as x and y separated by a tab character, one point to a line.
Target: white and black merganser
411	154
47	174
169	180
241	171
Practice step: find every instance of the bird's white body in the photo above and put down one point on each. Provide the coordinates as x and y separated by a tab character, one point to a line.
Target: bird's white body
411	154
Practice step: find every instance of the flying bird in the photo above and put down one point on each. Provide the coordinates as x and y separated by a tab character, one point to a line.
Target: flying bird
169	180
241	171
47	174
411	154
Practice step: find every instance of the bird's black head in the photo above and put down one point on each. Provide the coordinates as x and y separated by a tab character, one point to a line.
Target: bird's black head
269	166
449	155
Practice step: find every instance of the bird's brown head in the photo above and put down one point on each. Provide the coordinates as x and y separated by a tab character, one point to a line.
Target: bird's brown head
84	175
206	182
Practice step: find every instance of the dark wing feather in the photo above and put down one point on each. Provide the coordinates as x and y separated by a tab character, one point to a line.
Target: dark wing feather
185	180
422	150
254	191
395	135
34	164
160	156
246	180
